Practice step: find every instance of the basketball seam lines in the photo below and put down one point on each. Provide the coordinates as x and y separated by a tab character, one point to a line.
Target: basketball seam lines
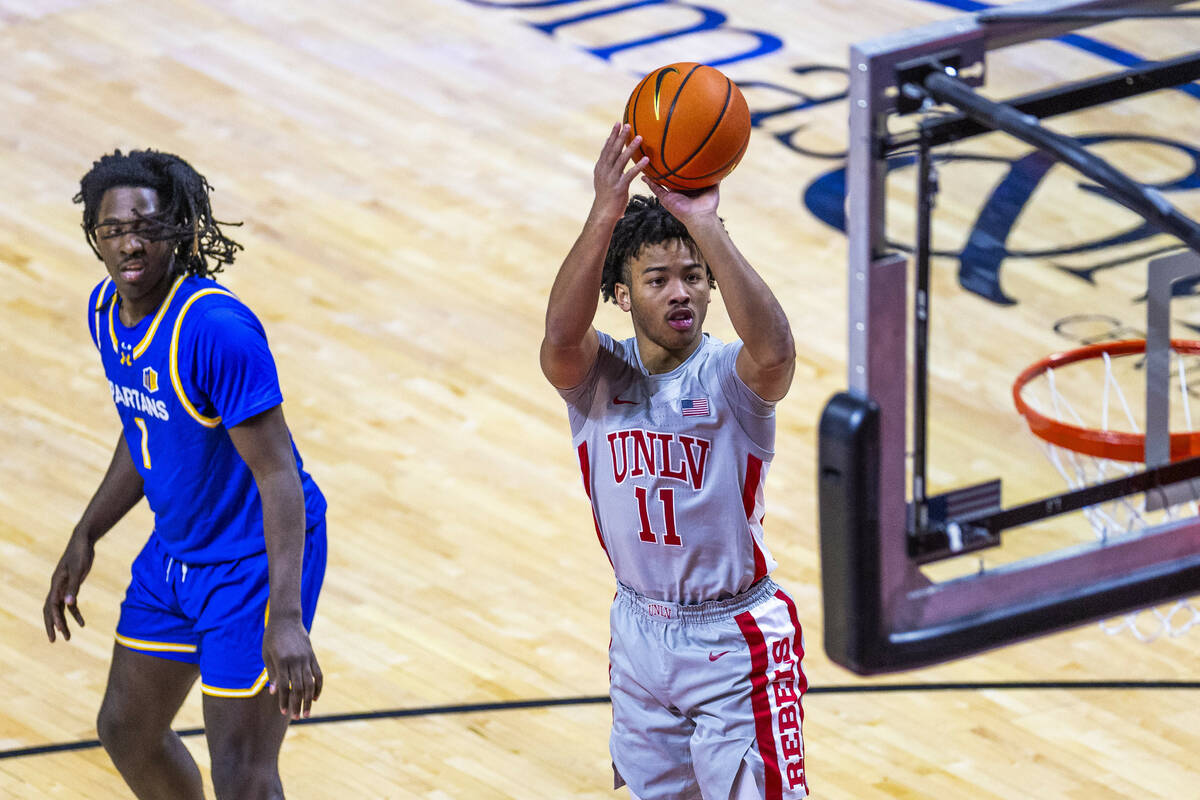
667	125
716	124
631	118
631	107
733	160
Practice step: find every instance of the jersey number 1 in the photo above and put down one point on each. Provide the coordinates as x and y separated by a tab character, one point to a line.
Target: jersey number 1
646	534
141	423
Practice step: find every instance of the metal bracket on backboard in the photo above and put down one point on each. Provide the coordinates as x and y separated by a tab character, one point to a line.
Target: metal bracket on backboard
1163	273
965	62
942	536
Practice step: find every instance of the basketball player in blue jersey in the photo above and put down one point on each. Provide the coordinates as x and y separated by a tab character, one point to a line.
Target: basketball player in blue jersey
226	587
674	432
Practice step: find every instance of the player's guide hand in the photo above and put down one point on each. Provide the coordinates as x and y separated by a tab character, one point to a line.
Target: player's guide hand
72	568
690	208
295	678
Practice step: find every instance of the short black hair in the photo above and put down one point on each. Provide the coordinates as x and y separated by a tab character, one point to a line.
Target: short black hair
645	222
186	217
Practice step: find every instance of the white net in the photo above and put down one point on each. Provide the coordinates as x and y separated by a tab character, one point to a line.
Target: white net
1068	395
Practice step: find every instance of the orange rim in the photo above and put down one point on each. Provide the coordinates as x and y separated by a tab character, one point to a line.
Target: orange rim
1113	445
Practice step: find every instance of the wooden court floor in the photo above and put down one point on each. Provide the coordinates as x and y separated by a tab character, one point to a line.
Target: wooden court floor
410	174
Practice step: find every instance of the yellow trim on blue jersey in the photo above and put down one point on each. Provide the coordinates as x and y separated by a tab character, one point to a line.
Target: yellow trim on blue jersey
216	691
208	422
141	346
162	310
100	295
155	647
112	328
96	309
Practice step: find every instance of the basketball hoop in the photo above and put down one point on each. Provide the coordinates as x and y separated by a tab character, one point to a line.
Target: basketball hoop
1091	434
1101	442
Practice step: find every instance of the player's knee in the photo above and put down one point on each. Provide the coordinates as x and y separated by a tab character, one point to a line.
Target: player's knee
108	727
241	773
120	735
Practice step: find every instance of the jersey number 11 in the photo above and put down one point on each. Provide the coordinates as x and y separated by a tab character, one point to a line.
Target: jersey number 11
646	534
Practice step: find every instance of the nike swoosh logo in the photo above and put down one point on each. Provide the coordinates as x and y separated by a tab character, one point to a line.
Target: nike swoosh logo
617	401
658	86
712	657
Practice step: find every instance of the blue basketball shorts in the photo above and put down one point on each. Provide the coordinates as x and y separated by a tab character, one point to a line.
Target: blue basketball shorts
212	615
706	698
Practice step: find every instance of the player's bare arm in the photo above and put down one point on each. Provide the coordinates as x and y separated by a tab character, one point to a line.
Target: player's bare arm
768	357
570	345
119	491
265	445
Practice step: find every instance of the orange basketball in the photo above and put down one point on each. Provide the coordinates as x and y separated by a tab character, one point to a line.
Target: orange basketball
694	125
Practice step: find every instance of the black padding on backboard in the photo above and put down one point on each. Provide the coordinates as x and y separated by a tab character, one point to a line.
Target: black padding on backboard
848	510
857	634
970	635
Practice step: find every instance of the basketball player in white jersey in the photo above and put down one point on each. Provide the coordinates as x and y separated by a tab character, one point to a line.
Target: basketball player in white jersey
674	431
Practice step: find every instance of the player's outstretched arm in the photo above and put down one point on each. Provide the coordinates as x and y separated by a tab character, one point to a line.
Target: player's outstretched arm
119	490
768	357
570	345
264	444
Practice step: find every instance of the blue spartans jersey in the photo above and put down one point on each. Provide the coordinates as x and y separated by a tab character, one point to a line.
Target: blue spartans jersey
180	379
674	465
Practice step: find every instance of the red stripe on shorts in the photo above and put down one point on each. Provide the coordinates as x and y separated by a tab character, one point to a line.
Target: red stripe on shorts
763	723
797	644
801	678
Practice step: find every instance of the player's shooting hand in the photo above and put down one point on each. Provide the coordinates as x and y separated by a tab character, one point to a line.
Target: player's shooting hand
72	568
687	207
610	177
295	678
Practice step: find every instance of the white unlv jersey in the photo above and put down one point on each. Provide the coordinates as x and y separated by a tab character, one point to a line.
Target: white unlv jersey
674	465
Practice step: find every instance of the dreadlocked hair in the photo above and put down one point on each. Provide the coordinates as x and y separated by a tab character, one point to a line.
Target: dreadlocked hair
186	219
644	223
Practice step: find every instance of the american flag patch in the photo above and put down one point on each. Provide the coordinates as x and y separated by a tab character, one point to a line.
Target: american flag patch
695	407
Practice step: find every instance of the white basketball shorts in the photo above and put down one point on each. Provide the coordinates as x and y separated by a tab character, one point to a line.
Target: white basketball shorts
706	698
